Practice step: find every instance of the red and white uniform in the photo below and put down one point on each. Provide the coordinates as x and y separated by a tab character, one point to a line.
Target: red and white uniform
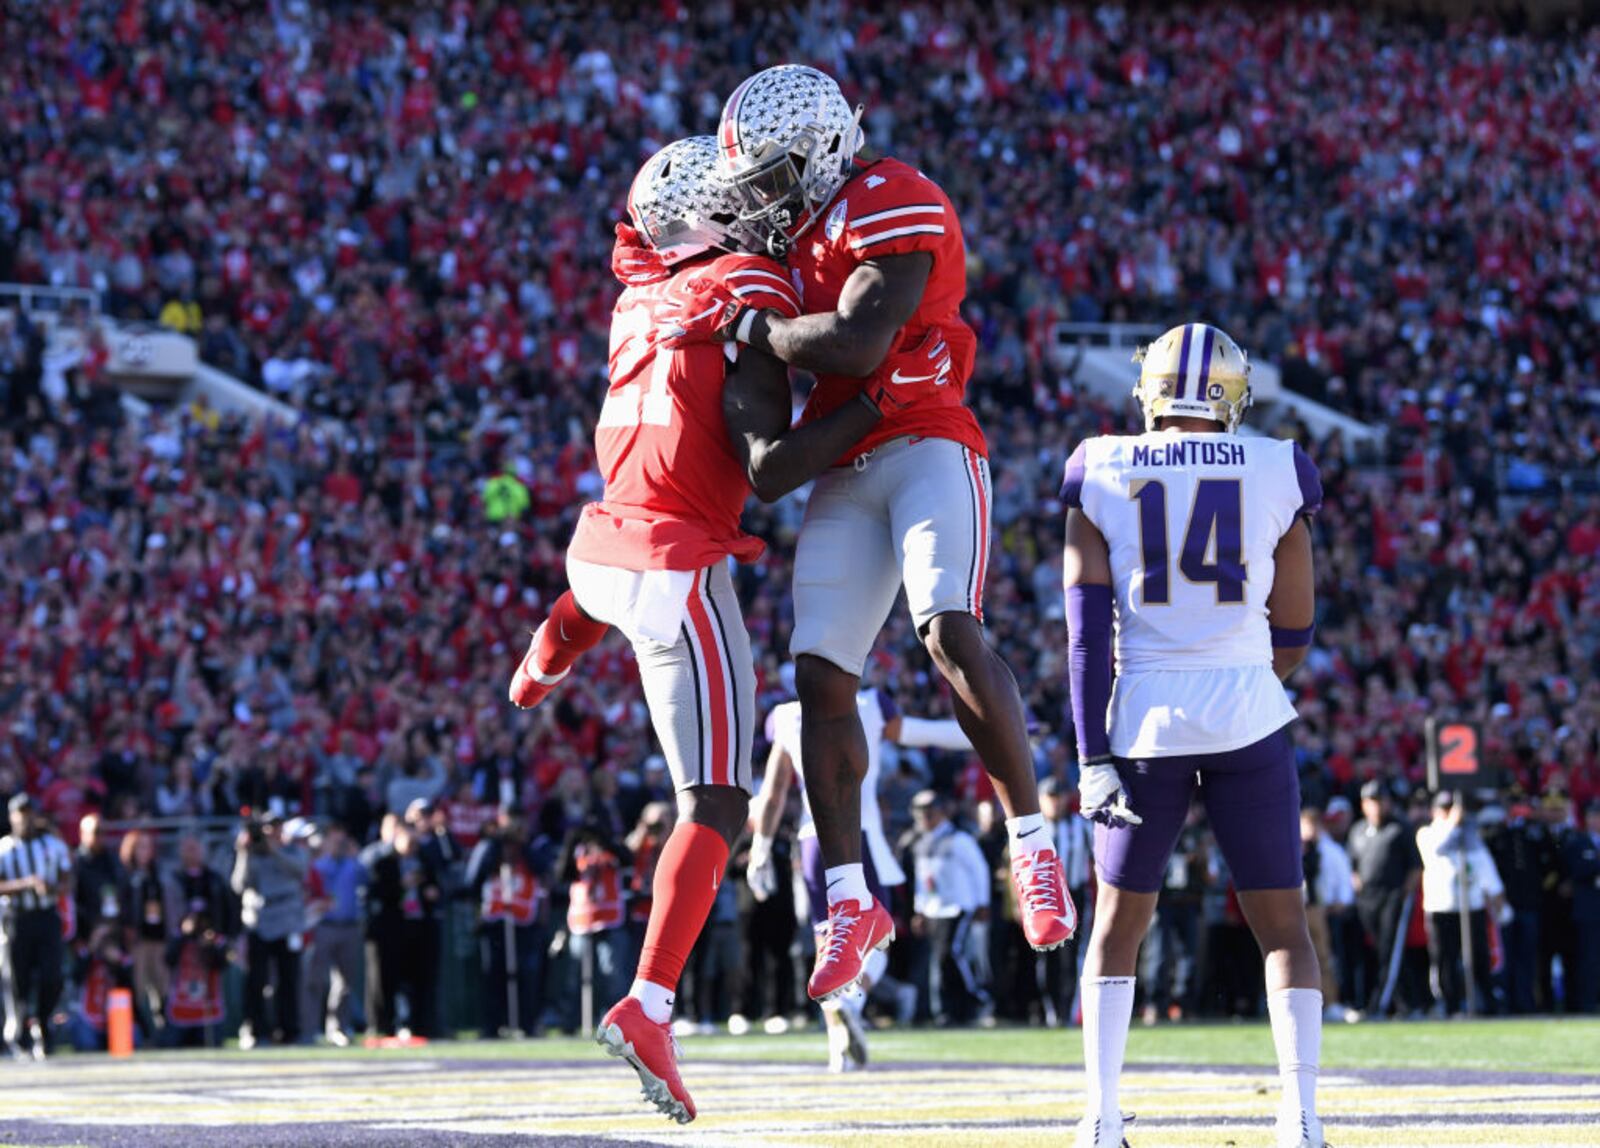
910	506
651	557
674	487
890	208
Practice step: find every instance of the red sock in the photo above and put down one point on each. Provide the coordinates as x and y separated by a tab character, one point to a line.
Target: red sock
567	633
688	873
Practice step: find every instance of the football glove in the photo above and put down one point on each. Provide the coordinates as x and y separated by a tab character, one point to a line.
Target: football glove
919	374
761	874
707	312
1101	796
633	261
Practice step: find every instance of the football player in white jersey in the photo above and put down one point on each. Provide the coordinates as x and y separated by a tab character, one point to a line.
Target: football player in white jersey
881	721
1192	546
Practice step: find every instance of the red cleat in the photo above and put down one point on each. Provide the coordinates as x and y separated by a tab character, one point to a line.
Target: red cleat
650	1048
853	931
1049	918
528	686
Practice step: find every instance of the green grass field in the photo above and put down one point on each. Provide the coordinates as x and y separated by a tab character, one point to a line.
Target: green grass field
1489	1084
1545	1045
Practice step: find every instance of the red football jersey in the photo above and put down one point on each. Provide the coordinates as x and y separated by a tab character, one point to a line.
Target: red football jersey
674	487
890	208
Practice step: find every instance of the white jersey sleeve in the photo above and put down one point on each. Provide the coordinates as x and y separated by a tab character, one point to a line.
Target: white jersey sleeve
1192	523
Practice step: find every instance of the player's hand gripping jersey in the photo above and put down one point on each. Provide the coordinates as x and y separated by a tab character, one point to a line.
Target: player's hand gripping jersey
674	487
1191	522
889	208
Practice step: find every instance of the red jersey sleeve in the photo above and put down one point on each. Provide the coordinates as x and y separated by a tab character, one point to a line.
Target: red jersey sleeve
891	210
760	282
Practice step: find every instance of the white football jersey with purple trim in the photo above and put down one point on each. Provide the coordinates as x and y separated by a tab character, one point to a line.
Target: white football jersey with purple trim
875	708
1192	523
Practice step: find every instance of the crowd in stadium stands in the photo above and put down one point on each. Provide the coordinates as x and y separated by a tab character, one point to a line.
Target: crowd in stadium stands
403	221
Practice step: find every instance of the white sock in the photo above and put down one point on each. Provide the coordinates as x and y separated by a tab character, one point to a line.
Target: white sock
656	999
1296	1016
1107	1012
848	883
1028	834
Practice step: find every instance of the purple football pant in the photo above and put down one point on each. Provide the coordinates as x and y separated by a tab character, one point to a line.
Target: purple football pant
814	869
1252	800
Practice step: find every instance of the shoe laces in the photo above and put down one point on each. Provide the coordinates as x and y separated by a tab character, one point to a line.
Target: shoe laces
840	925
1039	892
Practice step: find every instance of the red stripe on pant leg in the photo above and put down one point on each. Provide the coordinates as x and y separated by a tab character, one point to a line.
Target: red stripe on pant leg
716	684
976	465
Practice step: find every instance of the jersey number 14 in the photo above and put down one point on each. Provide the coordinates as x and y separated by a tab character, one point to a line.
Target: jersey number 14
1213	542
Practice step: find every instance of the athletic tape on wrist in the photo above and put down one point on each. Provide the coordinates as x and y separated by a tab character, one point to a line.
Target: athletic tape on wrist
742	332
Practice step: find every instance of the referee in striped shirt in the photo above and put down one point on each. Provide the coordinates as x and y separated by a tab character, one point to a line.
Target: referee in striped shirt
35	868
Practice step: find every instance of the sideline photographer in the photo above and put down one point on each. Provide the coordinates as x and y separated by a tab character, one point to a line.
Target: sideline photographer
269	876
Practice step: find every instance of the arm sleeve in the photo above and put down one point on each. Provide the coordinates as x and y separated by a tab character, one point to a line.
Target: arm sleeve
903	212
1089	666
760	283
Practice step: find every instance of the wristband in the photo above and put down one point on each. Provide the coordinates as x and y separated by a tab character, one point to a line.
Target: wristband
741	333
1286	639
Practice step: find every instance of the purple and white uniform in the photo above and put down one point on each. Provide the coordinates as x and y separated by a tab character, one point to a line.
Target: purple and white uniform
1192	523
877	709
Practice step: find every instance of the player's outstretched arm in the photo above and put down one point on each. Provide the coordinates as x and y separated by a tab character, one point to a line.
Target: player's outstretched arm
1292	605
878	299
766	811
777	459
933	733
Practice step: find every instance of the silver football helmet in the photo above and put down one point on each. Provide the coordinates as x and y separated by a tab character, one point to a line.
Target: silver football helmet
682	206
1195	371
787	139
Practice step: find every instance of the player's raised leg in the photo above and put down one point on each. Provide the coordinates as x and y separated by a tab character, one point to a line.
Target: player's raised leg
701	694
939	500
845	582
558	642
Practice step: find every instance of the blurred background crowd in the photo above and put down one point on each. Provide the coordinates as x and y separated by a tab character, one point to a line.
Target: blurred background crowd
400	219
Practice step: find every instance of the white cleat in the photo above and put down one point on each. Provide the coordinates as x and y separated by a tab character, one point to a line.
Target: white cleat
851	1005
1300	1130
1103	1131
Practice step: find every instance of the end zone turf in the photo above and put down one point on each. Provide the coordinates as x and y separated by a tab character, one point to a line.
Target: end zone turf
766	1091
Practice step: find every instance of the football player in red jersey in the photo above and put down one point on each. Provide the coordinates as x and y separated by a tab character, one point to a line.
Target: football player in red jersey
877	251
684	436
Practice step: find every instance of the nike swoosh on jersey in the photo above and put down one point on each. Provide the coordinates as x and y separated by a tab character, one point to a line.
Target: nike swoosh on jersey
897	377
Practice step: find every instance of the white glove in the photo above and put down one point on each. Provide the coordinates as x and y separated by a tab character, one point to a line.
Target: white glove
761	874
1101	796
